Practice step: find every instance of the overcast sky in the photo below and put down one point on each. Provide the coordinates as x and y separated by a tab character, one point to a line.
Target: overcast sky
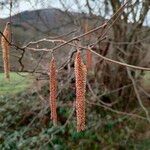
39	4
32	5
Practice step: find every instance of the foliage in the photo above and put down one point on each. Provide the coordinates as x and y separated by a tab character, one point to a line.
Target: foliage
25	124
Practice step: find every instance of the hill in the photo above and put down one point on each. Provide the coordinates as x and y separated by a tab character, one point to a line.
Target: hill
33	25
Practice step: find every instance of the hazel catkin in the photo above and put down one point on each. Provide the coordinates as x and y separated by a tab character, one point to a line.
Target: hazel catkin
53	91
80	77
5	50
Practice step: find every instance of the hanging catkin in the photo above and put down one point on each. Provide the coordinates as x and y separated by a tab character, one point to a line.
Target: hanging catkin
5	50
53	90
80	76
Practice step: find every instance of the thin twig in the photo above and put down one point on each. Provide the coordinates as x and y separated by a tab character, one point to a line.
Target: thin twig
138	95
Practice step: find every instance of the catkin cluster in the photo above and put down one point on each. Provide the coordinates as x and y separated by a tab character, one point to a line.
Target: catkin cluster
53	91
80	76
5	50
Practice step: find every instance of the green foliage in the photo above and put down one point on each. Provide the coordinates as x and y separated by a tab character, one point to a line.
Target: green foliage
25	124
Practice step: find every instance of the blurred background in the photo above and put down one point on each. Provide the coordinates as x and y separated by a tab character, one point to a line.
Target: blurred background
117	97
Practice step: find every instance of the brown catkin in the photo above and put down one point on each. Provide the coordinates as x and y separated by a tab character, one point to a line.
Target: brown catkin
5	50
53	91
88	59
80	77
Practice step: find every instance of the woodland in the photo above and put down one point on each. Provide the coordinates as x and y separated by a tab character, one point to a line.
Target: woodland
76	76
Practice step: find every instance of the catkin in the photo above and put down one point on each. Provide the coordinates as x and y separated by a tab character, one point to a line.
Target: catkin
53	91
5	50
88	59
80	76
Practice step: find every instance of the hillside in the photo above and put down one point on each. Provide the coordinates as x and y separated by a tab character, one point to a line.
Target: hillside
33	25
49	20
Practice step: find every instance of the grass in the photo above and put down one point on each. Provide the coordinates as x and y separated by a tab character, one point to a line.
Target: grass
17	83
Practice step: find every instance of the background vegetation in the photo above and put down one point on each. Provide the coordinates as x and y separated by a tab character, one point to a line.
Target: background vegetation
115	118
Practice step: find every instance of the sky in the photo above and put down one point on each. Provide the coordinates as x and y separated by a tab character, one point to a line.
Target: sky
24	5
33	4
